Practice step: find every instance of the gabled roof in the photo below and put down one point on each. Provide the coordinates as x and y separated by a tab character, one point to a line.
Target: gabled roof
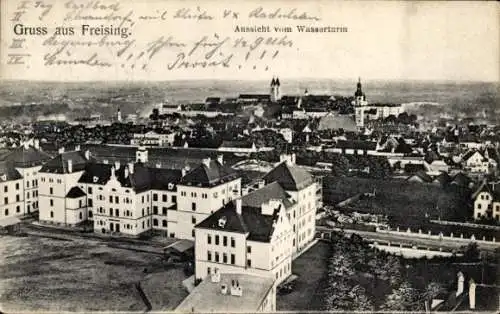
8	172
471	153
96	173
209	174
424	177
270	191
494	191
26	157
75	192
59	164
461	179
443	178
291	178
258	226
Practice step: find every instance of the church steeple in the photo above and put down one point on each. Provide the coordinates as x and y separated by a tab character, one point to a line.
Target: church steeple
359	90
275	89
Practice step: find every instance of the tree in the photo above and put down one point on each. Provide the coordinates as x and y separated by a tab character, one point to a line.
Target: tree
471	252
404	298
340	165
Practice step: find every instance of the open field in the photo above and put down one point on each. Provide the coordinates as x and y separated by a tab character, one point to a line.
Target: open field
44	274
311	267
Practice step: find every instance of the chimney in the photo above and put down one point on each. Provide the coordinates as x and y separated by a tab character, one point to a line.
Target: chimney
238	206
223	289
236	289
220	159
70	166
245	190
261	183
87	154
472	294
113	172
77	148
131	167
61	150
158	165
26	145
125	172
460	283
215	276
105	161
269	207
117	165
206	162
141	155
36	143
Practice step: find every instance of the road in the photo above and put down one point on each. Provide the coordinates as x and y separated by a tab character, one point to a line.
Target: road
412	240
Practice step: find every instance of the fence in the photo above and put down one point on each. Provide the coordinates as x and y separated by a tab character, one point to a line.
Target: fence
440	235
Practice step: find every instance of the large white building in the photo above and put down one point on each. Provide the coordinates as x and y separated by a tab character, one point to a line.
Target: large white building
27	159
11	191
365	112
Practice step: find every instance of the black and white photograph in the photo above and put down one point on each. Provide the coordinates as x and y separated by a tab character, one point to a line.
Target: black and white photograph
173	156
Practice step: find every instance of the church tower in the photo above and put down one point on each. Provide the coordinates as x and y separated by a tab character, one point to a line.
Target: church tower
359	104
119	115
275	89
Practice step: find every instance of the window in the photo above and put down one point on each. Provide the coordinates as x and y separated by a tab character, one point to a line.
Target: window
478	206
89	190
143	225
155	210
233	259
111	199
215	195
80	203
208	270
217	257
51	191
143	212
193	206
174	199
249	263
192	233
51	202
209	255
193	219
249	249
17	186
209	239
164	198
224	258
18	209
51	214
18	198
6	212
183	193
27	184
155	197
217	240
147	222
80	216
90	202
233	242
90	214
117	200
111	211
164	223
224	240
155	222
117	213
204	195
193	194
5	189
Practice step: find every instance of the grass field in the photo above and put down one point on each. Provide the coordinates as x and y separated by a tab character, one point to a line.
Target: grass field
43	274
311	267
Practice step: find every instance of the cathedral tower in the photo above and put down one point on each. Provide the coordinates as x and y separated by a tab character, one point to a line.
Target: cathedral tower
275	89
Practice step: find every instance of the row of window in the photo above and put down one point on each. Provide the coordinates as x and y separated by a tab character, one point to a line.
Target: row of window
490	206
6	199
51	180
164	198
217	240
18	210
217	259
17	186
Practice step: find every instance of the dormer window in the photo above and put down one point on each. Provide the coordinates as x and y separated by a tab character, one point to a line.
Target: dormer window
222	221
95	179
170	186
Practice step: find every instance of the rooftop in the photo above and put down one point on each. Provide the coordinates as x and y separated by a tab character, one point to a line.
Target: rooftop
26	157
209	173
207	296
291	178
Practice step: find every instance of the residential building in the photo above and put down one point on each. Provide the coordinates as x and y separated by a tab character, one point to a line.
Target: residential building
475	161
487	201
230	293
153	138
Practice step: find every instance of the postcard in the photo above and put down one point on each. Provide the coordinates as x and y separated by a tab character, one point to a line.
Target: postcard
249	156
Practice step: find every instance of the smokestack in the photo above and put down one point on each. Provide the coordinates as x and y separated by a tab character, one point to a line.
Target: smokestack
70	166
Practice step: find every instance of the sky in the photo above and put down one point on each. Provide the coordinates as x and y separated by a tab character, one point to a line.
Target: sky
456	41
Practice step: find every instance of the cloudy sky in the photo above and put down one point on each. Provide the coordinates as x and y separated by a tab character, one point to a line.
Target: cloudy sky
385	40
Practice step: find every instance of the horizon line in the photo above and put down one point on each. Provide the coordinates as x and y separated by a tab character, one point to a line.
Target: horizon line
354	79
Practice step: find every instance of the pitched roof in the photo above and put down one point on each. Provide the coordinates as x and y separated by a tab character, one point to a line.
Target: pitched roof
443	178
265	194
75	192
26	157
461	179
291	178
209	173
59	164
8	171
258	226
421	175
